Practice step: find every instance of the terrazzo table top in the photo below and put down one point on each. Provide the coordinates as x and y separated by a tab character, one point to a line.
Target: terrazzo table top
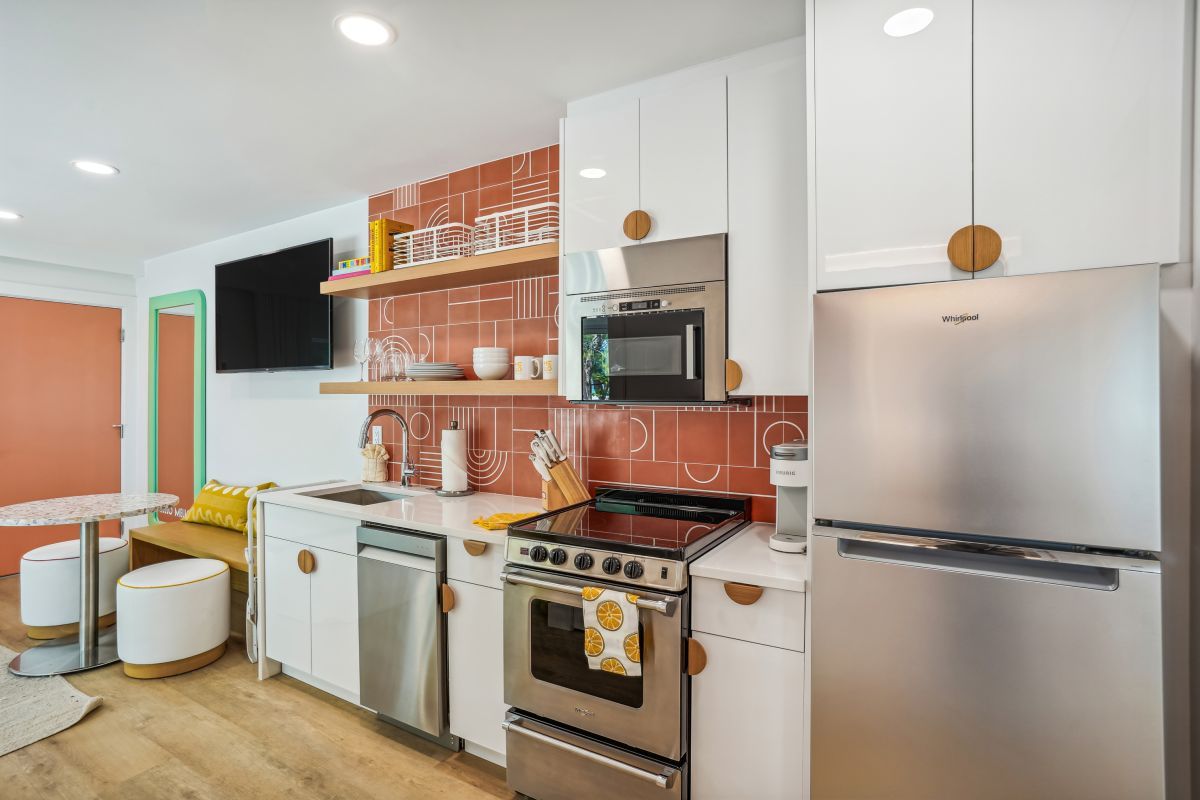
85	508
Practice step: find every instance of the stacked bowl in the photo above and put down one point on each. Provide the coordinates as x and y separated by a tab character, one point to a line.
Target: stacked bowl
490	363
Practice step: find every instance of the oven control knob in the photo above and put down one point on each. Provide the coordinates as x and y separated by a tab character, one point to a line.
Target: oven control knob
611	565
558	556
584	561
633	570
538	553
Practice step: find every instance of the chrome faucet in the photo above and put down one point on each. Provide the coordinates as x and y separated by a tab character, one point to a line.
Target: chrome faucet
407	470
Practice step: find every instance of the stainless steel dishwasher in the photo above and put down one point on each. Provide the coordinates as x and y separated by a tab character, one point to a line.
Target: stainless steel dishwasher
402	630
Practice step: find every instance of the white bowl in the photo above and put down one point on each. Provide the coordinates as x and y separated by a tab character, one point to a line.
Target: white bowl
490	351
491	372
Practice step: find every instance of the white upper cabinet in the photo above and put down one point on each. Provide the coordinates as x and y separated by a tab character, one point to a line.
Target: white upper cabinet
892	142
664	153
683	160
600	157
1079	131
768	242
1057	124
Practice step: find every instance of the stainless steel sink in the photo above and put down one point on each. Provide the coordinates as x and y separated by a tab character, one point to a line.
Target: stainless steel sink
358	496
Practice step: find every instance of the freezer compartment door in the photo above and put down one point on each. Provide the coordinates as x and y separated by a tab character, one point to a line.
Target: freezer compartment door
1026	407
937	676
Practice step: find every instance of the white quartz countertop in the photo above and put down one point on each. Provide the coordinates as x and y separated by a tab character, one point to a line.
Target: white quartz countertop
420	509
746	558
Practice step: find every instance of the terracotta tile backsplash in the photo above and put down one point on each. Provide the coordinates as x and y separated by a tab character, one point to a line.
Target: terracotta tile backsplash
721	449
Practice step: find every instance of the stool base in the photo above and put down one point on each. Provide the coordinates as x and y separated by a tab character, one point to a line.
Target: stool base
169	668
58	631
61	656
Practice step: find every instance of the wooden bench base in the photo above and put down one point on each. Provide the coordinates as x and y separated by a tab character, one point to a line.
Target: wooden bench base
171	540
58	631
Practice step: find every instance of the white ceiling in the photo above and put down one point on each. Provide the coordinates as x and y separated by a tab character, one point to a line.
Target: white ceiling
227	115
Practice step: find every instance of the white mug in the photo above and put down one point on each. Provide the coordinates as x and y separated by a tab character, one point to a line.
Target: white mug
549	367
526	368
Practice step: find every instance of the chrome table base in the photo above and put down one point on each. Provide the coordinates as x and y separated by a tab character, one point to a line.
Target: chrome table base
62	656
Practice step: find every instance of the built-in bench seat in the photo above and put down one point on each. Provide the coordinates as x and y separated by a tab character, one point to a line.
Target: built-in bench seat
171	540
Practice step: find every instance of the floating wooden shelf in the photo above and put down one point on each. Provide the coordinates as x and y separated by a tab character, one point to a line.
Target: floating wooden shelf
534	261
534	388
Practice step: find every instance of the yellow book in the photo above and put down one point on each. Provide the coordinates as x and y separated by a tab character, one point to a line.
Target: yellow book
379	242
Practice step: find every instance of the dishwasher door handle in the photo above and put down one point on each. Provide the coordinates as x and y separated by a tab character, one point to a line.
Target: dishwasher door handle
397	558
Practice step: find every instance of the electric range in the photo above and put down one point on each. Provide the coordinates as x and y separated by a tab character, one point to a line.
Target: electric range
640	537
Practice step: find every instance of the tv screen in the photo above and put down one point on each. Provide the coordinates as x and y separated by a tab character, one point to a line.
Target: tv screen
271	314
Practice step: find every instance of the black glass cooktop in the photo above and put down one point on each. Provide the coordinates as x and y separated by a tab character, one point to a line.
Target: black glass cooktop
665	524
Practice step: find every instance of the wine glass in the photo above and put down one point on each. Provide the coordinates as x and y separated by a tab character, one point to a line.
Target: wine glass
361	354
375	349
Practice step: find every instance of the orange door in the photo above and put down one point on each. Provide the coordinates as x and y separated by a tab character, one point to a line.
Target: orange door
176	379
60	396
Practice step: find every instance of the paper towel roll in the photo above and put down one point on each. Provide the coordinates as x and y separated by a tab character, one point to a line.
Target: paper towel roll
454	459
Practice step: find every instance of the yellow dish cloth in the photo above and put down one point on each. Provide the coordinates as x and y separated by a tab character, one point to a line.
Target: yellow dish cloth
498	522
610	631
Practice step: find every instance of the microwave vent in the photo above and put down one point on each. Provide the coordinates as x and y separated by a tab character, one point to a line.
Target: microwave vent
645	293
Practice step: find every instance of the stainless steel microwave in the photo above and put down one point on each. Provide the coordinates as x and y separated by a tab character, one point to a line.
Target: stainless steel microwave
646	323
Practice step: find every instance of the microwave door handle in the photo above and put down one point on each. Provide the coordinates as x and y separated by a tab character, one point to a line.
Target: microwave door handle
689	345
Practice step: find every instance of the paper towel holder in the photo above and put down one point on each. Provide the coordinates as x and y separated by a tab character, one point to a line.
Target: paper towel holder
440	492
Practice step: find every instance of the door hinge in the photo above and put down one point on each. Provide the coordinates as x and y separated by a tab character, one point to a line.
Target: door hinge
122	334
120	426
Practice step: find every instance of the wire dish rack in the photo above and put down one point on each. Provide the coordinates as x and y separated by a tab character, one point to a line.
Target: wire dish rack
519	227
439	243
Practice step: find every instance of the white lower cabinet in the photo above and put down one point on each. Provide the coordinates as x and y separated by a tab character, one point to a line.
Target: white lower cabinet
748	738
289	626
475	652
333	589
312	618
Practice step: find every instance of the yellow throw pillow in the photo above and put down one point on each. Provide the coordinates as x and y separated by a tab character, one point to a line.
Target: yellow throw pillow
223	506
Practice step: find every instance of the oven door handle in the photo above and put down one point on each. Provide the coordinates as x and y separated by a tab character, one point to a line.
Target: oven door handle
666	607
663	780
689	349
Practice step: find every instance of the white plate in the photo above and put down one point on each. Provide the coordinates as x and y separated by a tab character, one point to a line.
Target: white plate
436	377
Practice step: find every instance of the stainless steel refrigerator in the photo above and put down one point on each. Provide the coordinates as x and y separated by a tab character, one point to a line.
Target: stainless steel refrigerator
986	591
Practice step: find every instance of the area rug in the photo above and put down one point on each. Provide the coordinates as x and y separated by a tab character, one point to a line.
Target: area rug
33	708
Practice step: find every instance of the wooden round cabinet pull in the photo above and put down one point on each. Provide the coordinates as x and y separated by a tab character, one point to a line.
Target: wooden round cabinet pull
474	547
697	658
447	598
733	375
637	224
744	594
306	561
974	248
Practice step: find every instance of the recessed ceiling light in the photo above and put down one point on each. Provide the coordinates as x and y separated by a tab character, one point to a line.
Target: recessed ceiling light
9	215
95	167
364	29
592	172
908	22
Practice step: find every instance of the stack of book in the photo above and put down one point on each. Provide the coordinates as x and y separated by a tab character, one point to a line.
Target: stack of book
352	267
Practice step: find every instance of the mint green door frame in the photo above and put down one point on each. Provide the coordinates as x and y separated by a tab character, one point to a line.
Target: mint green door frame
194	298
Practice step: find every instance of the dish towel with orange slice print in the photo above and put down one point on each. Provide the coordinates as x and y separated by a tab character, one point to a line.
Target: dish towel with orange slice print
610	631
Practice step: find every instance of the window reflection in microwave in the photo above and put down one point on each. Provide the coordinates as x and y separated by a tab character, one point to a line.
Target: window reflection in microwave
596	382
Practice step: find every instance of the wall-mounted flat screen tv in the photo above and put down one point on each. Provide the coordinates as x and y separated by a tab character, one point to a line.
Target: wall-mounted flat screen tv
270	312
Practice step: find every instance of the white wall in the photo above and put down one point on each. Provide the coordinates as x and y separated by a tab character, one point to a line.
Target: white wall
268	426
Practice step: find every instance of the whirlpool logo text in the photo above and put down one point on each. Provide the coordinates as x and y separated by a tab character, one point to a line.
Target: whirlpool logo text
959	319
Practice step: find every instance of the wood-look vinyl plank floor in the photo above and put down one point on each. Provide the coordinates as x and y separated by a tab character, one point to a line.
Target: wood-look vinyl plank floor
218	732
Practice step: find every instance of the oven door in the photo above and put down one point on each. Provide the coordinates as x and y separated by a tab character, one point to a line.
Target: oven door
654	356
546	672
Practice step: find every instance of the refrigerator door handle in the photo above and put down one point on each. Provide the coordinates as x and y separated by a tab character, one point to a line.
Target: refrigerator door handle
994	561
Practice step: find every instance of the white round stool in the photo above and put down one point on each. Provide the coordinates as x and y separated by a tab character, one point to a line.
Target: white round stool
50	586
174	616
